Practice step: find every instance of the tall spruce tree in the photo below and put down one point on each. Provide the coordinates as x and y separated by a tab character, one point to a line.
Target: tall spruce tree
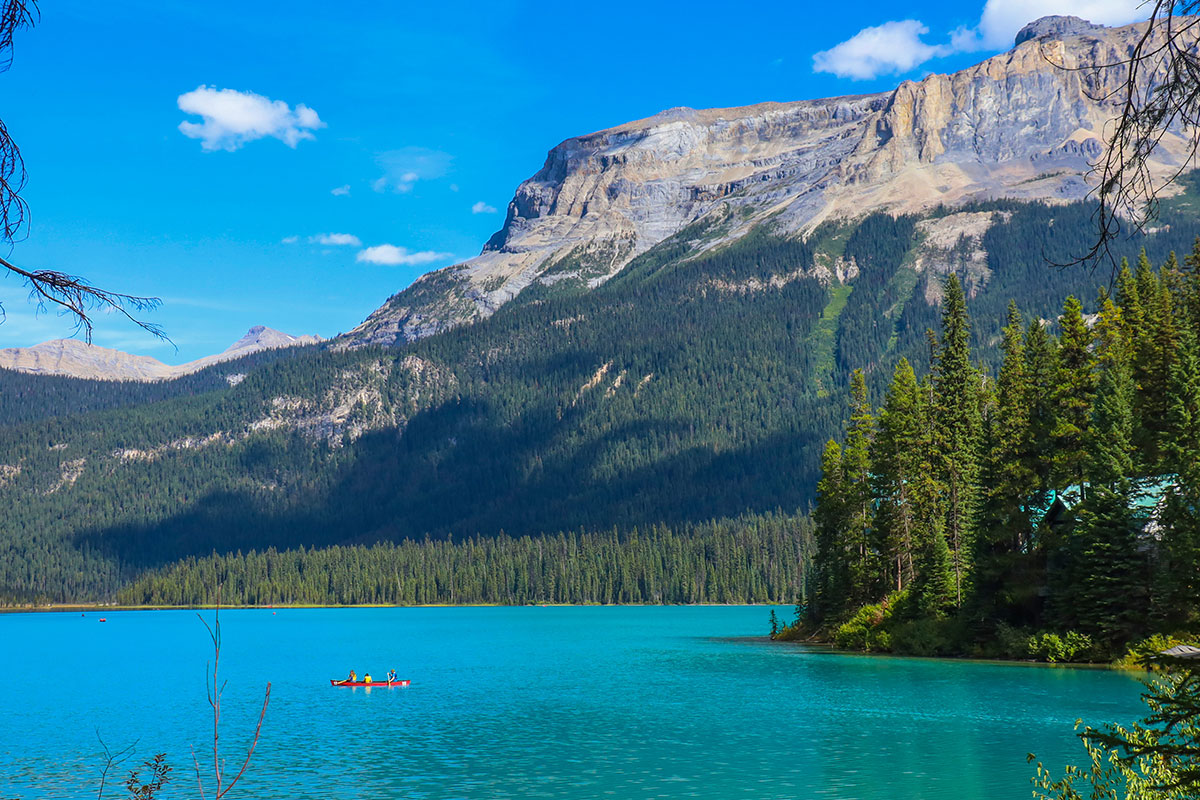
1190	291
857	492
957	430
896	459
1008	482
1177	583
934	592
1041	373
830	526
1073	392
1110	596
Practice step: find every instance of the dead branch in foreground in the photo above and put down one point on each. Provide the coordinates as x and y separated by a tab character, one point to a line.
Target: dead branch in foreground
215	689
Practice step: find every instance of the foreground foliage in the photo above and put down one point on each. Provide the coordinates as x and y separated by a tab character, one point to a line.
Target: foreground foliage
1157	758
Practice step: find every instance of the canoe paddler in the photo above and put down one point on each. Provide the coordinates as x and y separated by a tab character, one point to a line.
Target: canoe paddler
391	676
352	678
367	678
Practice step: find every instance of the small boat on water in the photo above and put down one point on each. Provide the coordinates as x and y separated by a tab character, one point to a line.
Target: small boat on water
381	684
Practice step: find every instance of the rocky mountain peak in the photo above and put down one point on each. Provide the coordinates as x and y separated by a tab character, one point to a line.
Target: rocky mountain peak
77	359
1056	26
1025	124
261	337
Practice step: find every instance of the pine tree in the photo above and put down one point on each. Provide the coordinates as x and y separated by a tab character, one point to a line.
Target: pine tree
957	430
1110	599
1190	291
1041	370
1073	393
1111	335
856	471
1008	480
897	463
830	525
934	592
1128	298
1177	584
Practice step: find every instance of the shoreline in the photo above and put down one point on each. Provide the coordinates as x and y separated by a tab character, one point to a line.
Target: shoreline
59	608
815	646
1022	662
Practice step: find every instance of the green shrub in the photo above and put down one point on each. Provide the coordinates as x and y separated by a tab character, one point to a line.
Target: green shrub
1139	654
927	637
868	630
1053	648
1012	642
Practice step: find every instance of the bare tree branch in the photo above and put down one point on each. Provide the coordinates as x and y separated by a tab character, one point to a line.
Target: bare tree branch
1156	96
74	296
215	688
112	760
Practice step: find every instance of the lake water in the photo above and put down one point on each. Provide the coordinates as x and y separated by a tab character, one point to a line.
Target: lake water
642	702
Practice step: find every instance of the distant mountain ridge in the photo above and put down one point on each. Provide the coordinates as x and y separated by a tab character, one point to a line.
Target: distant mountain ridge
76	359
1021	125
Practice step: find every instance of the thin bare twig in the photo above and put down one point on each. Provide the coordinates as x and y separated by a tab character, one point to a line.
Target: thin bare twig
112	760
78	298
215	688
1157	94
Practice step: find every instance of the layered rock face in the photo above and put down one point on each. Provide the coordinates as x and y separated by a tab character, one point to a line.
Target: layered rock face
78	359
1024	124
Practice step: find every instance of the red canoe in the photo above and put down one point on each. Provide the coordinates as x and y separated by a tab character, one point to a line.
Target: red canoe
383	684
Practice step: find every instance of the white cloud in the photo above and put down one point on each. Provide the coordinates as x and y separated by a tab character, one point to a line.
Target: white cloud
290	239
404	167
391	255
887	49
232	118
482	208
1001	19
340	191
336	239
897	47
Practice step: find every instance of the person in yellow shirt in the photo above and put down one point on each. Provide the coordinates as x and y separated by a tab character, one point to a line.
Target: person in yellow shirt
367	678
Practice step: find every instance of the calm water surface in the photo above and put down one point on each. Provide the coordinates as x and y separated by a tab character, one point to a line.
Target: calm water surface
531	702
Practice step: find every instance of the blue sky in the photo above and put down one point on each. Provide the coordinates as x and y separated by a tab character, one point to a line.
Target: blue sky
333	153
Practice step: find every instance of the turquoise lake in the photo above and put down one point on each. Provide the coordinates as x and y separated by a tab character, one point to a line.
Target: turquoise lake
633	702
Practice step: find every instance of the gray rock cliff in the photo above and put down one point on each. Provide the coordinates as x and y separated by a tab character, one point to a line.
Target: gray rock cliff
1023	124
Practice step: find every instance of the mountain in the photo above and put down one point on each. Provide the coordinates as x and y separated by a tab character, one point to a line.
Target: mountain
1023	125
688	372
77	359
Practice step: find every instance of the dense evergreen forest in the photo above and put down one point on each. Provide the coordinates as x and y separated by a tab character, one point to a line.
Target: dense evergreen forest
698	384
748	560
1050	509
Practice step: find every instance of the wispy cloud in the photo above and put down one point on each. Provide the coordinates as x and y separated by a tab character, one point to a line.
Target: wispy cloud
404	167
340	191
391	255
482	208
346	239
290	239
231	118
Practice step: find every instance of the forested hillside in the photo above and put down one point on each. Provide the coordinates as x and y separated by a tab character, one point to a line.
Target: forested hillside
1051	509
697	384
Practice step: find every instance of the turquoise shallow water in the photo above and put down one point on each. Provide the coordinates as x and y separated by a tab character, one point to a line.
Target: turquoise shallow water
641	702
